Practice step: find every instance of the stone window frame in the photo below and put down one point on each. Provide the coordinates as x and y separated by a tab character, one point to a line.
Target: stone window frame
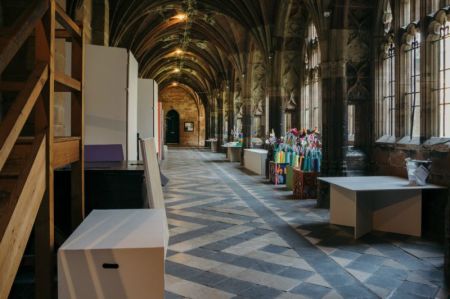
438	20
410	84
386	90
387	42
311	100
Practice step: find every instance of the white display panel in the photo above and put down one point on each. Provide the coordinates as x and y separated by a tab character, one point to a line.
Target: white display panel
132	107
111	88
106	95
147	109
155	116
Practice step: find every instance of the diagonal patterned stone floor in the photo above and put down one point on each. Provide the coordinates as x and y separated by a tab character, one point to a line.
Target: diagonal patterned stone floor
235	236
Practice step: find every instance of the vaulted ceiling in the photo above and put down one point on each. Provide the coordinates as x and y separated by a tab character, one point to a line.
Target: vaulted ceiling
198	43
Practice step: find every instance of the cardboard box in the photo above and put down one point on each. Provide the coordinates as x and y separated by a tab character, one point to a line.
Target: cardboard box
114	254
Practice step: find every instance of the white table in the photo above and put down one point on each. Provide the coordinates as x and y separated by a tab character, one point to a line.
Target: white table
255	160
114	254
233	152
382	203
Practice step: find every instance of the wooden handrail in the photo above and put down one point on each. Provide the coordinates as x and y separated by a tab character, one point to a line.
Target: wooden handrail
14	121
19	214
20	31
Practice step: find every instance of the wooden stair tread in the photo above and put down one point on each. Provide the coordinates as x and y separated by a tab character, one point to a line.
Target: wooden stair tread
25	140
7	186
16	160
66	139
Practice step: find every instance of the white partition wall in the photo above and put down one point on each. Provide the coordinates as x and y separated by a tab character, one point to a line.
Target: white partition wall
132	107
148	109
111	76
156	129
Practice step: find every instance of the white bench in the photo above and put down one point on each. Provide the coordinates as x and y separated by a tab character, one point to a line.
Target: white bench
233	152
382	203
255	160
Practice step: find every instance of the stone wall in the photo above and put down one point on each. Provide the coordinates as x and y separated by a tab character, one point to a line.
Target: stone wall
182	101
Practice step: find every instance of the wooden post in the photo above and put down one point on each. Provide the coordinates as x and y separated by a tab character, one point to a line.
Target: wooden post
77	109
44	229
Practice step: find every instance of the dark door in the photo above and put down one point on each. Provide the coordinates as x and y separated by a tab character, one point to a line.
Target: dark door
172	127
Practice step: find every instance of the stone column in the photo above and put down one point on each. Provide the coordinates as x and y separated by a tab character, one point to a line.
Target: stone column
276	112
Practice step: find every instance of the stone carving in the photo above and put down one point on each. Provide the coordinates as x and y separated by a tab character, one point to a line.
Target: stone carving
357	58
259	109
290	81
358	42
291	104
258	84
387	19
295	19
238	101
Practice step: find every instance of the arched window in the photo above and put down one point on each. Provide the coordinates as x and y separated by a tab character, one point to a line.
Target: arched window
386	104
388	89
441	90
411	71
435	5
444	80
310	108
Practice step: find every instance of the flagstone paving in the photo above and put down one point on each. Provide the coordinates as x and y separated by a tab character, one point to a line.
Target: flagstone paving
235	236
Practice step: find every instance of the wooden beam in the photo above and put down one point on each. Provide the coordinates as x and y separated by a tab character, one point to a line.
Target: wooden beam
45	228
20	31
65	21
64	83
77	126
63	34
14	121
18	215
66	151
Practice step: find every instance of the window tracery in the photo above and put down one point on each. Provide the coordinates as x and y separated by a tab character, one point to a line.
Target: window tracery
411	48
311	90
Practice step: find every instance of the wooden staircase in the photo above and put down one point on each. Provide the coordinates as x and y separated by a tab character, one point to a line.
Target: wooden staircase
27	162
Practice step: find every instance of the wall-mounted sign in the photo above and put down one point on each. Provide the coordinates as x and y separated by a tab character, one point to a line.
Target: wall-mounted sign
189	127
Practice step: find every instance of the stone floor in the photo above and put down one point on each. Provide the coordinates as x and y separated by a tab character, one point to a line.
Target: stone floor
232	235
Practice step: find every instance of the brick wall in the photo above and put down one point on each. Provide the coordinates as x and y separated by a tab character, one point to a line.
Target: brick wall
391	161
182	101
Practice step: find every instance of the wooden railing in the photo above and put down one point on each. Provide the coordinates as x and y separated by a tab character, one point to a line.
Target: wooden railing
26	189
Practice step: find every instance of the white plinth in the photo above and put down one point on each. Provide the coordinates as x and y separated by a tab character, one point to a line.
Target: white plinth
233	152
380	203
114	254
255	160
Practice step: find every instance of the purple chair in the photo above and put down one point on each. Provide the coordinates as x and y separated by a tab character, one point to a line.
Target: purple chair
103	153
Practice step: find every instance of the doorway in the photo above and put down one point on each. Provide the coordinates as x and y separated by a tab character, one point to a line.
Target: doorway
172	127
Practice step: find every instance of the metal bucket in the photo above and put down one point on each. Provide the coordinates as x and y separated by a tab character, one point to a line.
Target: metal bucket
418	171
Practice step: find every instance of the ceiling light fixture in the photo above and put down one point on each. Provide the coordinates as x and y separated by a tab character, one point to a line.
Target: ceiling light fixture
174	84
178	51
176	70
181	17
